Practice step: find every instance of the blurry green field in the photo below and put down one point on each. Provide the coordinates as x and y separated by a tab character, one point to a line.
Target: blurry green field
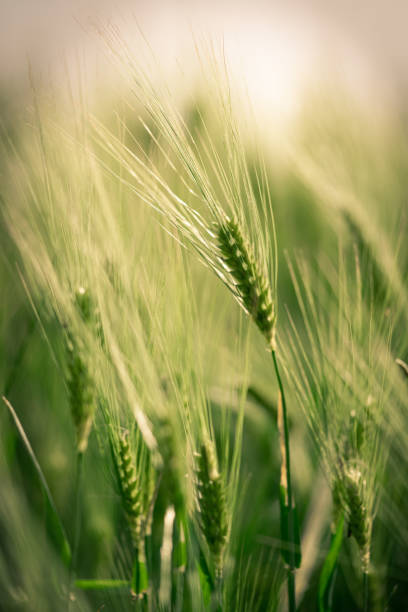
112	327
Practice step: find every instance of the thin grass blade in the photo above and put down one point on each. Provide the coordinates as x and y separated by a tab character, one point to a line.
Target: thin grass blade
327	575
55	527
101	585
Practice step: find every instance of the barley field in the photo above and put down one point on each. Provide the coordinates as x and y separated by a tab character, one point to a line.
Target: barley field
204	349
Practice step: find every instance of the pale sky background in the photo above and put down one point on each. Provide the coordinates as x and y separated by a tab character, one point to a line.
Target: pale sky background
277	47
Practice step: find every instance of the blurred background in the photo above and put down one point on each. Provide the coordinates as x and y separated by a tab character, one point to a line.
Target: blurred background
279	48
328	82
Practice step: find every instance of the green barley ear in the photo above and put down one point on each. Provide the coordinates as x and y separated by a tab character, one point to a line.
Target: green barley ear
211	500
79	380
130	488
358	516
172	480
251	284
84	304
367	255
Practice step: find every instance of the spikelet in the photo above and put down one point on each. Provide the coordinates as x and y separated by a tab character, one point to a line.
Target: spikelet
131	489
79	380
251	284
358	516
211	503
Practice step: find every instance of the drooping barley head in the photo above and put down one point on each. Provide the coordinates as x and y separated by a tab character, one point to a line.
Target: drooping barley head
358	516
251	283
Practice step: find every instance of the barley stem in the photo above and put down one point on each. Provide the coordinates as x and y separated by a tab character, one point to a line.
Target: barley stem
181	557
218	591
140	577
291	590
292	565
365	591
77	521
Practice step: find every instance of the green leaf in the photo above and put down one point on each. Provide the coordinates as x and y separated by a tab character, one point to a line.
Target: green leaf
18	358
180	555
259	398
55	527
296	536
290	532
101	585
327	573
205	582
180	545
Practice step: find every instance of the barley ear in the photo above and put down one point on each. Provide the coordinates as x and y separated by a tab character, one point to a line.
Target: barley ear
130	489
79	380
251	283
171	474
358	517
211	501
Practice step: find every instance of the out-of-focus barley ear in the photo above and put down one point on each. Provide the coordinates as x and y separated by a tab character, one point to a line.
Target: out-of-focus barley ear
131	490
251	283
170	454
367	255
211	503
357	513
113	273
79	379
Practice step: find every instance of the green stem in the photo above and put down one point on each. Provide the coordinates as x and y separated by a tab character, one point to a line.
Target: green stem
365	591
219	592
77	523
285	427
102	584
180	557
291	564
328	573
140	579
291	590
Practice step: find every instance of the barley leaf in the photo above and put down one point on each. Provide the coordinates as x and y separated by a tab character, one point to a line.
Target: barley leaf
259	398
101	585
55	528
180	554
327	574
290	532
296	536
19	357
206	580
